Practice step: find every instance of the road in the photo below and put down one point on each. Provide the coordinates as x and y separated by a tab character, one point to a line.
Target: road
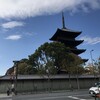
69	95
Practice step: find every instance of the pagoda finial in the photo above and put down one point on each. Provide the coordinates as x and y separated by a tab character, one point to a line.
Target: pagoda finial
63	21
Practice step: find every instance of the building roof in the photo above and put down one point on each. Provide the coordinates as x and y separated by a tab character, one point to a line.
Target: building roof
70	42
65	33
78	51
38	77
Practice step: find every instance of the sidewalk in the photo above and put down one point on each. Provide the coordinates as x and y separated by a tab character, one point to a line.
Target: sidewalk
4	95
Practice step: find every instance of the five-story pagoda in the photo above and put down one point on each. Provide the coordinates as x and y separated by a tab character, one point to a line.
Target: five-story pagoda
67	37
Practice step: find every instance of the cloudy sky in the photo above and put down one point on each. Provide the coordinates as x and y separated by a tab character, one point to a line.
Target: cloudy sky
26	24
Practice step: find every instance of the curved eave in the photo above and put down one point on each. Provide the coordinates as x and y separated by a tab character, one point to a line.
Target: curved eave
69	30
78	51
69	42
65	33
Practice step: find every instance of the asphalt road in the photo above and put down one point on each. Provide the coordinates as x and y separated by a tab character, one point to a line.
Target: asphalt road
69	95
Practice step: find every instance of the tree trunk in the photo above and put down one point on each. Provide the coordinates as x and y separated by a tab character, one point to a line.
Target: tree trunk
78	86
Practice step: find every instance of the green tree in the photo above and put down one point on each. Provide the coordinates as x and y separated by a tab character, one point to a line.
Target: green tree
25	68
73	65
56	56
47	57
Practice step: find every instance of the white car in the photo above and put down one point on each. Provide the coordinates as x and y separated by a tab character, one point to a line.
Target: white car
95	90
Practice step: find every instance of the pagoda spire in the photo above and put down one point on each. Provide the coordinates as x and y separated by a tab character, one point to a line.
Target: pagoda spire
63	21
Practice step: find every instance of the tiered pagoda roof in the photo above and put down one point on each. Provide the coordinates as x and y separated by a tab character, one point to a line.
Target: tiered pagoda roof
67	37
64	32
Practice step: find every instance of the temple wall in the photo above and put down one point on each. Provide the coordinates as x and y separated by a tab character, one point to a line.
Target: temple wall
35	85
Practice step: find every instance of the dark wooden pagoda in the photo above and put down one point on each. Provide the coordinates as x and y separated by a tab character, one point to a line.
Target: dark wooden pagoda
67	37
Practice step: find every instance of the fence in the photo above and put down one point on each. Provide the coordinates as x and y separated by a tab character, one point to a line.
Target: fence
35	83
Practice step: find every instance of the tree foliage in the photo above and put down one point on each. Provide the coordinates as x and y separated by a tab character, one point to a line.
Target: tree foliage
96	66
56	57
93	68
52	58
49	56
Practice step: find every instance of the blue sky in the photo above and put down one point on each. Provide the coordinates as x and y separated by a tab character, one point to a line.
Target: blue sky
26	24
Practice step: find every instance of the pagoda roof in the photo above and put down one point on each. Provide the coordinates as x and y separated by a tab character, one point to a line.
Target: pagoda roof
69	30
70	42
64	32
78	51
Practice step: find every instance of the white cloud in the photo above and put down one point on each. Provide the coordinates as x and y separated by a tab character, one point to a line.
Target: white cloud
90	40
12	24
28	8
13	37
